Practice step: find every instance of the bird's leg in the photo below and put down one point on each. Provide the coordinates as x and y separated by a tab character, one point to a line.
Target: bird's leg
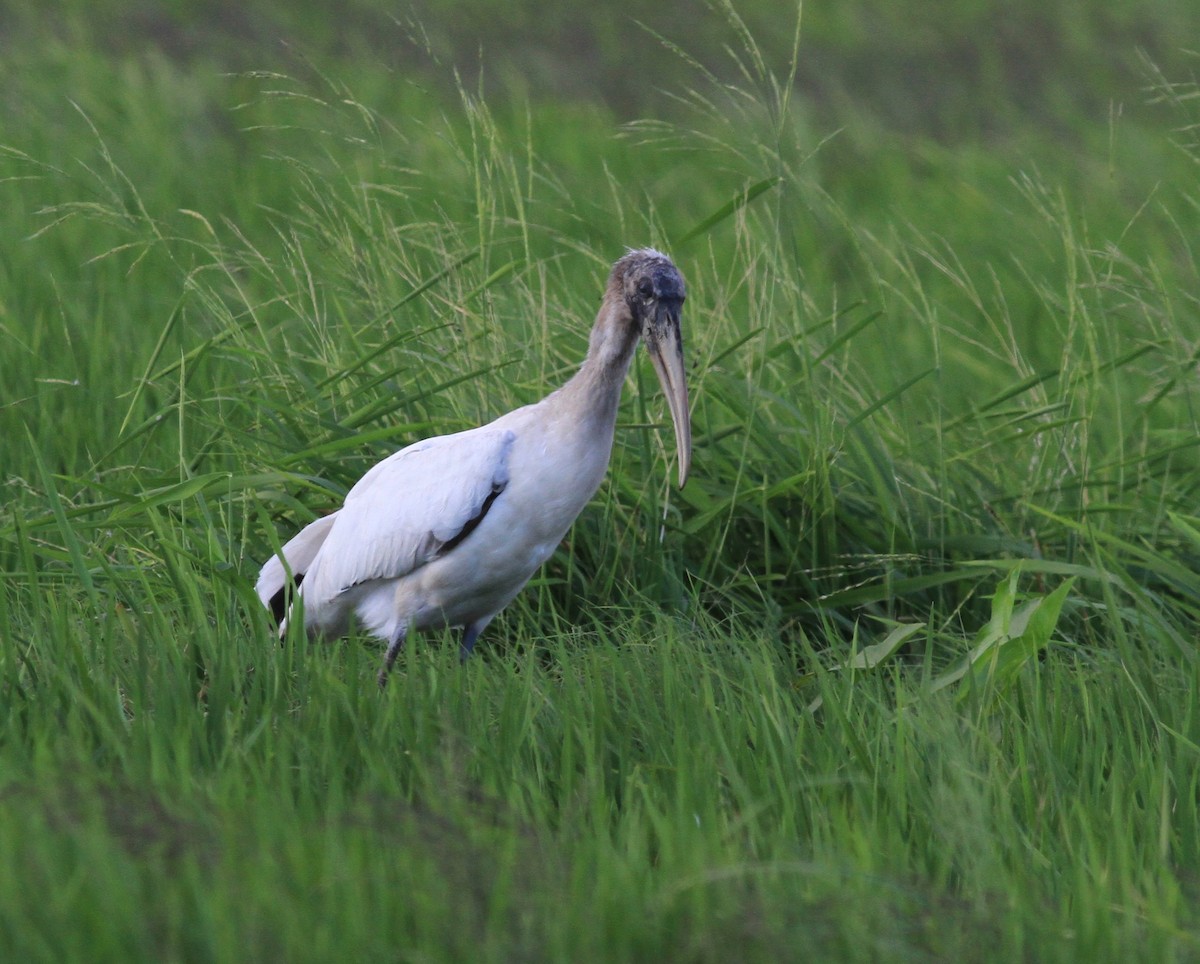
394	646
470	634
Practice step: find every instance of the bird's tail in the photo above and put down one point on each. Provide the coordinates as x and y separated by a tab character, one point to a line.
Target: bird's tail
293	559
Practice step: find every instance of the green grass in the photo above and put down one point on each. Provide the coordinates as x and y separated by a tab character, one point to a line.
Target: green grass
908	670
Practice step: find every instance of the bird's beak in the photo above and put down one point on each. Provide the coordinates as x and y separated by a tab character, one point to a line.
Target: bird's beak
665	345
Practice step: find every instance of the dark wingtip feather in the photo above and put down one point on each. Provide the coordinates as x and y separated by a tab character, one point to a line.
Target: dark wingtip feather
281	601
473	522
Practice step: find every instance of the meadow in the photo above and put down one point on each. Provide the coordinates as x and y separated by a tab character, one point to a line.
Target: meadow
907	671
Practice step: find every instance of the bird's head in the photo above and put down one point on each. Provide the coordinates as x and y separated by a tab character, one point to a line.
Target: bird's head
653	291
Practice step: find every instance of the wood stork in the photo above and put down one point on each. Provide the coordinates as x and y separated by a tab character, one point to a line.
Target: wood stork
447	531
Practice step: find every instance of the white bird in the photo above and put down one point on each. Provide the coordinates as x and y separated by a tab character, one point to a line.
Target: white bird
447	531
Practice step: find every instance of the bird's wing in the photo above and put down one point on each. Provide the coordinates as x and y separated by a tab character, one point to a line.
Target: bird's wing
299	552
409	509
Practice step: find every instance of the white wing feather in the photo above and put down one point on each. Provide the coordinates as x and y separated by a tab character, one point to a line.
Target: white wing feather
299	552
400	514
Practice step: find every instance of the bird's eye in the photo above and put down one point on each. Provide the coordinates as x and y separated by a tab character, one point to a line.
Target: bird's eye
646	290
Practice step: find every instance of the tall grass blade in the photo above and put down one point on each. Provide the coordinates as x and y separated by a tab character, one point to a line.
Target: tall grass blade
743	198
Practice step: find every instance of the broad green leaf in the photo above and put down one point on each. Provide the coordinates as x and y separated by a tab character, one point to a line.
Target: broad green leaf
875	654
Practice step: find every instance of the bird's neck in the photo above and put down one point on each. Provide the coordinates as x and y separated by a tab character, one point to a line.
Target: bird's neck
596	388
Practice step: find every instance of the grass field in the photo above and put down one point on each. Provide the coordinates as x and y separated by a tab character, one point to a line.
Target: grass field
907	672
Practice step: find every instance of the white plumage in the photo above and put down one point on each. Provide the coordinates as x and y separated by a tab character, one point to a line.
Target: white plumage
448	530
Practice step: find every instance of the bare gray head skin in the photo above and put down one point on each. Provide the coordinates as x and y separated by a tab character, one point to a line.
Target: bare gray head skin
653	290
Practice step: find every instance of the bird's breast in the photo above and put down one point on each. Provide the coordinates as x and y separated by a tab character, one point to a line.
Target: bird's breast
549	488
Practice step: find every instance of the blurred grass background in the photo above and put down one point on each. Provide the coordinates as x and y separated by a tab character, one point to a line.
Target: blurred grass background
912	658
